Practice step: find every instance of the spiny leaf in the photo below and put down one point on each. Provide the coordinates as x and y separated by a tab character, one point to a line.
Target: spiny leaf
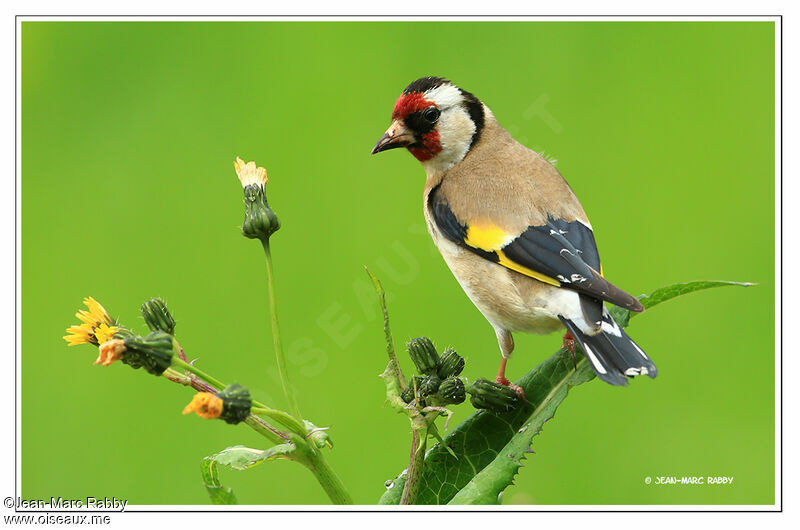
238	458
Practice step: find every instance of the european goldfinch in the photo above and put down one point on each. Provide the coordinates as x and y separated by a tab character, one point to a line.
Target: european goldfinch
511	229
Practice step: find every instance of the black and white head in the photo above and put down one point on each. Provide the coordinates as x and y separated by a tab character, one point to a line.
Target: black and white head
436	121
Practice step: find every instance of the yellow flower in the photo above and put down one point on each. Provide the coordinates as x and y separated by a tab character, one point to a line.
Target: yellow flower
110	351
97	326
104	333
79	335
206	405
249	174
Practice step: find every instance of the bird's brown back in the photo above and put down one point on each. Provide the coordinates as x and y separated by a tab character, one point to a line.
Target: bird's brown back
517	186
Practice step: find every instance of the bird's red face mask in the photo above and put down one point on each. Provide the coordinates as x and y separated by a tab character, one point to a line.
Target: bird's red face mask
414	121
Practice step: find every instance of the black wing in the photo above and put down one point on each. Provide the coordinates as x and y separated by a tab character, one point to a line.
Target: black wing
560	253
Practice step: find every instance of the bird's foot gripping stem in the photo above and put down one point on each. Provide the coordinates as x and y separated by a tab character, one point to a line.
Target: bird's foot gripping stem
503	380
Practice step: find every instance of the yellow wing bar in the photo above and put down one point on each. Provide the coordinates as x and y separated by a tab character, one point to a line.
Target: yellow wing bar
492	239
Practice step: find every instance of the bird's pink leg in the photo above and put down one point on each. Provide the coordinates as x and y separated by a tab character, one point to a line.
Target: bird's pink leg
503	380
568	343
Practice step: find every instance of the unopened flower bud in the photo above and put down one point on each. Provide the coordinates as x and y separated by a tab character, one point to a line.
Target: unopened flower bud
485	394
157	316
424	355
450	364
153	352
430	385
452	391
408	393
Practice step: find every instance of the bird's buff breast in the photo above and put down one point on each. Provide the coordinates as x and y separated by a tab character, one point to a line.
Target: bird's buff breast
506	299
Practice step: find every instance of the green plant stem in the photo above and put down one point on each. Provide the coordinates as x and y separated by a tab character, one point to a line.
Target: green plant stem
394	364
415	465
328	479
276	336
280	416
198	372
259	408
264	429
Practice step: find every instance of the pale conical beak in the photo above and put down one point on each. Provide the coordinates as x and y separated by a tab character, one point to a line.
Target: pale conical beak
398	135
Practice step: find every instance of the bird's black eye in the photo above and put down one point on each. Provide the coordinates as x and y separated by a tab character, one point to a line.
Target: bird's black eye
431	114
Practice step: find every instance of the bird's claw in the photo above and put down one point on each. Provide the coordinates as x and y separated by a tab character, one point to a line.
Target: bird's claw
516	388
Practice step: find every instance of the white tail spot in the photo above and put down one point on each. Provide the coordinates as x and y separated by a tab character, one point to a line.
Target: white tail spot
640	350
636	371
600	368
612	329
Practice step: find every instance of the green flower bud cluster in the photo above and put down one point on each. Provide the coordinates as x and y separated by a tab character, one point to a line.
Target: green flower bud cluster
440	383
157	316
153	352
485	394
236	403
260	221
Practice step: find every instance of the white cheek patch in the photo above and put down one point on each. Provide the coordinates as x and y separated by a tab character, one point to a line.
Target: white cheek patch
455	135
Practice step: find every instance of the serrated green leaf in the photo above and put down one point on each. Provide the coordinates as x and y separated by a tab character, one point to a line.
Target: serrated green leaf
487	485
238	458
216	491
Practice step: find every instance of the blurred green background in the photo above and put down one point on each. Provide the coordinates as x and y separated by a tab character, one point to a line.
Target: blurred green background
664	130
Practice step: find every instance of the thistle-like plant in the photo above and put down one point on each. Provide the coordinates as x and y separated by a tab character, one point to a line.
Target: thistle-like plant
470	464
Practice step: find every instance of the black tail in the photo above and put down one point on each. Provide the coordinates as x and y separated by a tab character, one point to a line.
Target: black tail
611	353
